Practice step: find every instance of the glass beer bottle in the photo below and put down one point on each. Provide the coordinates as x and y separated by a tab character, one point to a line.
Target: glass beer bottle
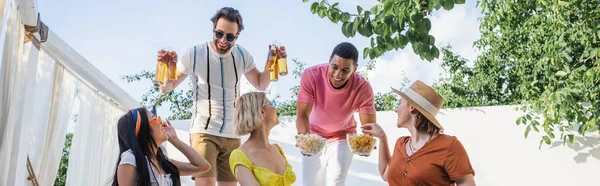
274	74
271	58
172	69
161	71
166	68
282	61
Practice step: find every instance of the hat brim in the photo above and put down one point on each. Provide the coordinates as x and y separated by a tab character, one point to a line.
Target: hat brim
420	109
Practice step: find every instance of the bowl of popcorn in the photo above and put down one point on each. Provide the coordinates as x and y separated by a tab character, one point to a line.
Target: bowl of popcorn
361	144
310	144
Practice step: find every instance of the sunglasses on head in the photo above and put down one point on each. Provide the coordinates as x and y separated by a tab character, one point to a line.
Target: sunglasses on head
274	104
268	103
229	37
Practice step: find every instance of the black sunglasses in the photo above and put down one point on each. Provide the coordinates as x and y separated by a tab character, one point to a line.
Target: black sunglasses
229	37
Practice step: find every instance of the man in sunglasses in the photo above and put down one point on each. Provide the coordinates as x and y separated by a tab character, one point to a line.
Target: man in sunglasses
215	69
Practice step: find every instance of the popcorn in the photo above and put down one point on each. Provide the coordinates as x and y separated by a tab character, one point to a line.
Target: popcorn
310	144
361	144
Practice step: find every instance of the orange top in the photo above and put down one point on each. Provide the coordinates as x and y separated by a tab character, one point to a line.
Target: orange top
441	161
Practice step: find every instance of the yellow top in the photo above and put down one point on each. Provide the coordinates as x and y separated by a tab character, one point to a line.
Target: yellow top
265	177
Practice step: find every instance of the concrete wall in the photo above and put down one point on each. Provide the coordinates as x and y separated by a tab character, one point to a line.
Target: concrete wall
497	148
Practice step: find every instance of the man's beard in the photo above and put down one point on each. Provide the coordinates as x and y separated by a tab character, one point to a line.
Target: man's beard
221	50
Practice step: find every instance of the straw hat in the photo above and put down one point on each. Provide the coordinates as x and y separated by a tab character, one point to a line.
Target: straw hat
425	99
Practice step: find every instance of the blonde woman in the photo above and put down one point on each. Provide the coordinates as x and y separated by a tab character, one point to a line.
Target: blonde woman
257	162
426	157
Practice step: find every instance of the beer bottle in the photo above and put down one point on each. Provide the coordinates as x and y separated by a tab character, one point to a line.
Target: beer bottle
282	62
271	58
274	74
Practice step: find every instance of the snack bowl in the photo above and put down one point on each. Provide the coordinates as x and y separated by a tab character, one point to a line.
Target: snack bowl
361	144
310	144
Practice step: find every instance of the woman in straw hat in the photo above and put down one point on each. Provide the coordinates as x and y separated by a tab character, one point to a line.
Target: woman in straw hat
426	157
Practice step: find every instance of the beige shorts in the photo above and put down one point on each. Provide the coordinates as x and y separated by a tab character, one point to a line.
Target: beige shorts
216	151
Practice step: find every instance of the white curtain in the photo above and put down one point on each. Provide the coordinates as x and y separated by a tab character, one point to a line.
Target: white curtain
14	78
49	109
94	149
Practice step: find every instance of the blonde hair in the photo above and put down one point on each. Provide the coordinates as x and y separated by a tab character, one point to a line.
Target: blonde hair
247	112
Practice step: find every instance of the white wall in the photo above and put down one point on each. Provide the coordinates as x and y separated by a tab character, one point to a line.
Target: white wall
497	148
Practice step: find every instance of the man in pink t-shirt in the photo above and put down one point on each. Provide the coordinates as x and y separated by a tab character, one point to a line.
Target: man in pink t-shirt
329	96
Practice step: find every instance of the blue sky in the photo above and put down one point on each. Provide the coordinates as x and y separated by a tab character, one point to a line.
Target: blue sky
122	37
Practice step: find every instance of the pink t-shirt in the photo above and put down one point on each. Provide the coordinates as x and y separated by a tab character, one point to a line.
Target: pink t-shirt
332	114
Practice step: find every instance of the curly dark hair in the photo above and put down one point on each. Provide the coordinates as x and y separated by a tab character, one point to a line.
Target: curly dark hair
345	50
230	14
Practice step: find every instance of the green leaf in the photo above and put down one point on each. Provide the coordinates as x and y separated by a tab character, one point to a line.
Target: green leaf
357	22
527	130
551	134
547	140
388	20
346	28
411	36
435	52
561	73
366	52
375	9
402	40
380	29
345	17
388	6
431	40
333	16
372	42
421	28
335	4
594	53
367	14
314	7
459	2
571	138
433	4
359	9
448	4
567	56
415	16
304	1
321	13
438	4
366	29
416	47
535	128
423	49
380	40
427	23
582	129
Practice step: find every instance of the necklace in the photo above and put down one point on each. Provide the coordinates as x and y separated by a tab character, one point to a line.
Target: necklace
413	149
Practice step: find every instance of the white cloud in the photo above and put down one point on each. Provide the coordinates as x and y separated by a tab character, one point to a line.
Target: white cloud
457	27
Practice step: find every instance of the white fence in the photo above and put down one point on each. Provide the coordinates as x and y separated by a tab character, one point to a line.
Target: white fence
497	148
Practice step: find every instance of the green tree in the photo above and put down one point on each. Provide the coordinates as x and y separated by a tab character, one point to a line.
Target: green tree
288	107
61	177
390	24
545	53
181	101
390	100
459	85
541	54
